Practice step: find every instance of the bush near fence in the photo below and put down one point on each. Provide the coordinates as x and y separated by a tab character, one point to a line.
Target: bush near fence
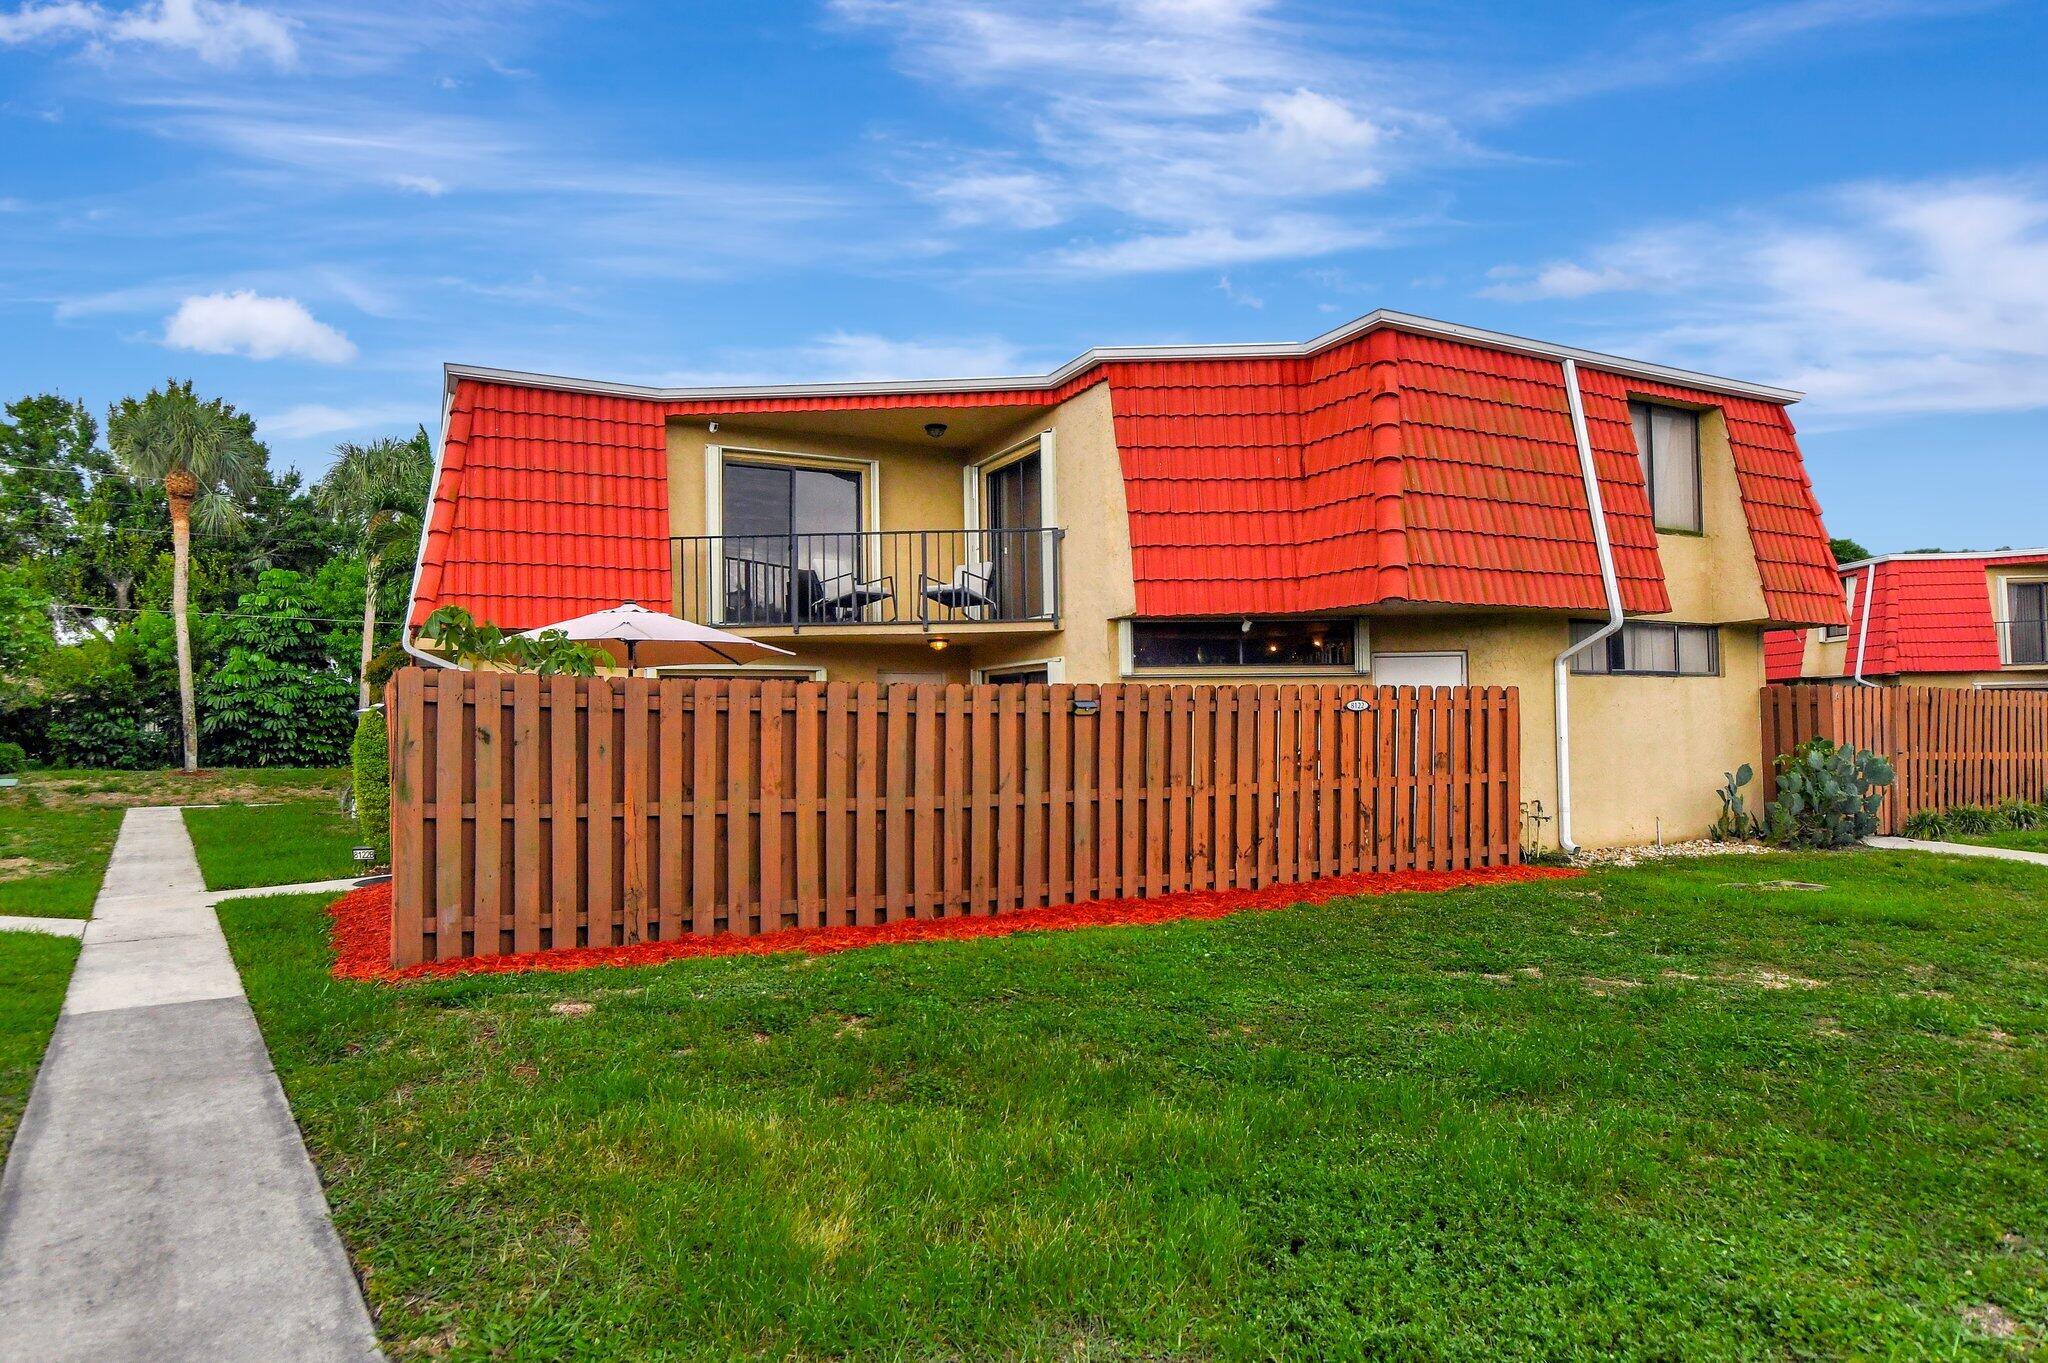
530	813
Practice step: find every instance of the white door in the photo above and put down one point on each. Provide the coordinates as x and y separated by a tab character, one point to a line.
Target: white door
1418	669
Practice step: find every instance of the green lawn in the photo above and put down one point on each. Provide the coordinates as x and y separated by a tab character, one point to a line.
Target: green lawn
290	843
1655	1113
2021	840
57	828
34	968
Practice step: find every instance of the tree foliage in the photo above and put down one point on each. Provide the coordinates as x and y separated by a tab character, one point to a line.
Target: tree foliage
1848	550
276	699
88	640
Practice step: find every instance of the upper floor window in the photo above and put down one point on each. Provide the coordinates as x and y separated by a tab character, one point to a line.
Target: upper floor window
1668	442
1173	644
2026	623
1834	634
1650	648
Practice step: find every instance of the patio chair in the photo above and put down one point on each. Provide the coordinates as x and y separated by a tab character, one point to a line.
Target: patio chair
970	589
847	596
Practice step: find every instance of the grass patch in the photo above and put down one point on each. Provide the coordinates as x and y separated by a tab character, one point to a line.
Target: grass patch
281	844
34	968
52	855
2019	840
57	828
1661	1112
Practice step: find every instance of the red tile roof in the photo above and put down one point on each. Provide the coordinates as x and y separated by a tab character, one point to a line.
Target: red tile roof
1391	465
1928	613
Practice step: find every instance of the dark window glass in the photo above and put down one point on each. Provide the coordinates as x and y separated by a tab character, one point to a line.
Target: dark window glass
1668	443
788	530
2027	630
1023	676
1649	648
1228	643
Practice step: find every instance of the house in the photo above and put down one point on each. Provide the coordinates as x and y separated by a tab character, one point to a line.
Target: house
1401	501
1934	619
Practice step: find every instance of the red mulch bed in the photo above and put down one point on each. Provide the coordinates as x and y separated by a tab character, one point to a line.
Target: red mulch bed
362	924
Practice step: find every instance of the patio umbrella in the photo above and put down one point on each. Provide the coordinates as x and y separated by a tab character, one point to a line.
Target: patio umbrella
639	637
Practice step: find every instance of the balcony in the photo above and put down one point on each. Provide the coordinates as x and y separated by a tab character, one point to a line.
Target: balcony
910	579
2023	643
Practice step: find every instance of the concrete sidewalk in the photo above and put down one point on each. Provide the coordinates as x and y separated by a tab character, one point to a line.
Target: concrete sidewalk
1957	849
158	1202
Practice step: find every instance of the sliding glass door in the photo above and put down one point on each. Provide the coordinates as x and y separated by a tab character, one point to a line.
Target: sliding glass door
788	530
1013	503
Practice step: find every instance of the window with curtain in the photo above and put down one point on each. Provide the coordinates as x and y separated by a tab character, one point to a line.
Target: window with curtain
1649	648
2026	627
1668	442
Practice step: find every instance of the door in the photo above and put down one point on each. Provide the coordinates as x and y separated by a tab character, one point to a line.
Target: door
1013	505
1418	669
2027	623
788	529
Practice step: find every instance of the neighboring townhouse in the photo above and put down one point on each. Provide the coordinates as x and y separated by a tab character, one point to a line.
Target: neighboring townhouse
1398	502
1935	619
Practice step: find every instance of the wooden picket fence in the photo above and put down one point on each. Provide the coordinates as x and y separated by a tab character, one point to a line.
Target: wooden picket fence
531	813
1951	746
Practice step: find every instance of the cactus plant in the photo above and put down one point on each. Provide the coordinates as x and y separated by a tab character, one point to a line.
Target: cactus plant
1827	796
1735	821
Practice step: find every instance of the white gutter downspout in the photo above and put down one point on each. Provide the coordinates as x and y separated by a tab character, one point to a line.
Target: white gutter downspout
1608	585
1863	635
426	525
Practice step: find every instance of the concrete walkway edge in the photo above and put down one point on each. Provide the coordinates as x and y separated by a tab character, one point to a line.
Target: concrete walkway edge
55	927
1958	849
159	1203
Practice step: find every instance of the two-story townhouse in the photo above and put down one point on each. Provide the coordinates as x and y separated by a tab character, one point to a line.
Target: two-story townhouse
1968	619
1401	501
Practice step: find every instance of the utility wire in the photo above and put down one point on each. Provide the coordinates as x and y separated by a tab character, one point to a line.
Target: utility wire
82	608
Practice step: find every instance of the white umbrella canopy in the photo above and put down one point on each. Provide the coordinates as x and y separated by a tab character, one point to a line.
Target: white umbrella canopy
638	637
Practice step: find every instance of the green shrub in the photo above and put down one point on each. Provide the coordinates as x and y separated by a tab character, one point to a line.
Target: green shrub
371	759
13	757
1928	825
1974	820
2023	815
1827	796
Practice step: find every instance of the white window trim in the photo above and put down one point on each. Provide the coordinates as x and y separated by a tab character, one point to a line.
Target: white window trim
1045	446
1464	659
870	471
1361	655
1055	670
2002	610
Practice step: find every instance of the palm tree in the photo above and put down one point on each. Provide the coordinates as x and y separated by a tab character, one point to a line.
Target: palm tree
380	491
206	455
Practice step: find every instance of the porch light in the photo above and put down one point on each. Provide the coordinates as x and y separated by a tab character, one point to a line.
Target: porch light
938	645
935	429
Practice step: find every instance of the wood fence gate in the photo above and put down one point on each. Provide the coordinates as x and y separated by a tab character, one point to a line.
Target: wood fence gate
530	813
1951	746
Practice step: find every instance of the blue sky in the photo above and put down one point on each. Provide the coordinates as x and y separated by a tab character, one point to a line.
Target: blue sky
308	207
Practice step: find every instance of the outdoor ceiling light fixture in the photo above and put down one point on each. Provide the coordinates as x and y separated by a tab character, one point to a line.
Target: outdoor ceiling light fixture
935	429
938	645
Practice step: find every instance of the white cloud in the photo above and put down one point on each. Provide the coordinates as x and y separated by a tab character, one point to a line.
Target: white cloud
1289	237
1237	295
1876	298
1209	132
218	32
312	419
247	323
851	356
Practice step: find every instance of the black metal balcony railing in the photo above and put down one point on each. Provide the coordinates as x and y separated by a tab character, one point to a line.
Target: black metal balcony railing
877	577
2023	643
